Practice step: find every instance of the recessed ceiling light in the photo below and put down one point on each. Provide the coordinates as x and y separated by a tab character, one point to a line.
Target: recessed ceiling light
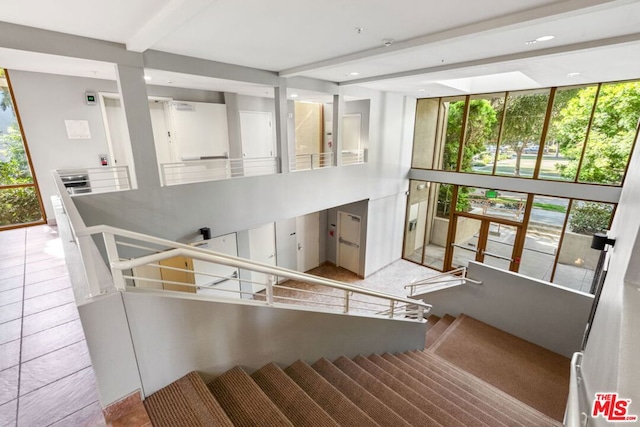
545	38
294	95
387	42
421	90
354	73
147	78
573	74
530	42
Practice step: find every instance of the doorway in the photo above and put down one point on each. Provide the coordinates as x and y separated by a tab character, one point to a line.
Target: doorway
262	248
486	240
349	241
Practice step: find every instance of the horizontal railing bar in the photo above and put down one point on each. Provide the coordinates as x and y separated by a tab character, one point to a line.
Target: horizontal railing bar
131	245
190	285
309	292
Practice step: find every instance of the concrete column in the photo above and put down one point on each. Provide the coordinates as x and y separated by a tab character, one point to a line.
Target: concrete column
338	112
282	117
135	103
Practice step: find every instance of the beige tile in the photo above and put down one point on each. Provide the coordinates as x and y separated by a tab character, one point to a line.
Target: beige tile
9	354
10	331
11	296
8	384
47	301
8	413
11	283
41	276
47	286
89	416
49	318
51	339
11	311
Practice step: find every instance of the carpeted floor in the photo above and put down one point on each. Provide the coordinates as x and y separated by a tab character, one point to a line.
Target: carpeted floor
530	373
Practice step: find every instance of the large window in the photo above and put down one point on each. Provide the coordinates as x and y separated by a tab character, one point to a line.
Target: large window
19	198
576	134
543	237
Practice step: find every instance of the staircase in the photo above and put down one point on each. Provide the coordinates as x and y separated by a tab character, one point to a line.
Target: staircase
417	388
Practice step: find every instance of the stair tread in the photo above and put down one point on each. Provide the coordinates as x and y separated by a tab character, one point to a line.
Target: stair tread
366	401
393	400
342	410
421	395
431	321
292	401
474	384
185	402
471	403
244	402
530	373
437	330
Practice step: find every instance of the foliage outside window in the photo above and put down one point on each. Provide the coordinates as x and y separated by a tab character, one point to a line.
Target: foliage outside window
481	136
455	114
20	203
590	217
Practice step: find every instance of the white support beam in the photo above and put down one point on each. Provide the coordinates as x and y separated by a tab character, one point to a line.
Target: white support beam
527	17
168	19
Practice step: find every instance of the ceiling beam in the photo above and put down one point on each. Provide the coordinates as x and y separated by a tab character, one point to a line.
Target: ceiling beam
167	20
501	23
557	50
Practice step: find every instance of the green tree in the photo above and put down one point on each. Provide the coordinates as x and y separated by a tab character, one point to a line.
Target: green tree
611	136
523	123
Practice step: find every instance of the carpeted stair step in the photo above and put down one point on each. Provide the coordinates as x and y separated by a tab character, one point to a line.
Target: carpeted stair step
366	401
292	401
438	329
525	414
428	406
341	409
393	400
185	402
456	407
530	373
244	402
439	369
470	403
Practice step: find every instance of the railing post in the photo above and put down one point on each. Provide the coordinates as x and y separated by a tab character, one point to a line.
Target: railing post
84	246
112	255
346	301
391	308
269	290
420	313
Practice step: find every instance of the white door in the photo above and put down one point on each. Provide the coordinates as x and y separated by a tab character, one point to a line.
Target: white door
351	132
161	133
199	130
262	248
349	241
286	241
215	279
308	241
256	130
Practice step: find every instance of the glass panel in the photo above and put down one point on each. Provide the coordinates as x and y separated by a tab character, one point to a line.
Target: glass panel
19	206
572	109
495	203
426	224
543	236
454	110
425	131
521	134
612	134
481	134
499	248
14	165
577	261
465	243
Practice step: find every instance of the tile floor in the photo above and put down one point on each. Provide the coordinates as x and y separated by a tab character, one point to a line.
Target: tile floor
46	378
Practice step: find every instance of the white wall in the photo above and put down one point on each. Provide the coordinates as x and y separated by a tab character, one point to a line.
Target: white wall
213	337
611	358
45	101
547	315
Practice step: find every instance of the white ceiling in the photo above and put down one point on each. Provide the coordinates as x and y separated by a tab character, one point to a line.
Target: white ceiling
439	47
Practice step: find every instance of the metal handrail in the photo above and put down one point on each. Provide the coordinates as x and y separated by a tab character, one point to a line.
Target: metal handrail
187	172
573	416
458	276
302	162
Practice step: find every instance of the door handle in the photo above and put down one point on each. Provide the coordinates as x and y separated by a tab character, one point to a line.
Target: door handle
348	243
464	247
299	246
497	256
271	256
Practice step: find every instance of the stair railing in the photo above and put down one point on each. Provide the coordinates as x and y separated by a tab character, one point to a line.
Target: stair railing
450	278
137	259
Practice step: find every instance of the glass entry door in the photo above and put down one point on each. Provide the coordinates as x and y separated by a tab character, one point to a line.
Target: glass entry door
483	240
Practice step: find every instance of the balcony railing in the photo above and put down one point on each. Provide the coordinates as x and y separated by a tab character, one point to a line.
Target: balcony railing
304	162
95	180
449	279
353	157
193	171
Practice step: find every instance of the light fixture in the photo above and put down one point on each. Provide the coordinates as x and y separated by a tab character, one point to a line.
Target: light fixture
359	30
387	42
575	74
421	90
530	42
294	95
147	78
545	38
354	73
